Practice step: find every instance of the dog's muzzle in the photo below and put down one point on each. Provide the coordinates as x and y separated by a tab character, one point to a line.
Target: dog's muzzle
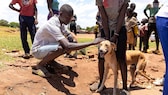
102	53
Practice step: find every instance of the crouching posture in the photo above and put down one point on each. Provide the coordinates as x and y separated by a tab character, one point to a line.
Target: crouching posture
50	41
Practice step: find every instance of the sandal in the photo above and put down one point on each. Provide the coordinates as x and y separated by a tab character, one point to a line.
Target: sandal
42	72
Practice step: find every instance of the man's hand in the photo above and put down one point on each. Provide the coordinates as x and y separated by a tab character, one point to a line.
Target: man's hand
98	40
114	39
35	21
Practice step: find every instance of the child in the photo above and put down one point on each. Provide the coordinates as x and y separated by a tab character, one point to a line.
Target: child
142	34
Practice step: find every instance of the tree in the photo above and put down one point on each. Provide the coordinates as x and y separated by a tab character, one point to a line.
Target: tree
4	22
14	24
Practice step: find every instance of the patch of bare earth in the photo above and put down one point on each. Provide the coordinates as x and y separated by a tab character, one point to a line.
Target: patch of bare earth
17	77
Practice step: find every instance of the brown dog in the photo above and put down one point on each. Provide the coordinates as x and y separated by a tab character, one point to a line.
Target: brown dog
107	51
134	58
138	64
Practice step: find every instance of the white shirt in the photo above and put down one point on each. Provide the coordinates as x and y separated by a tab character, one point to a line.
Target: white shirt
163	12
49	34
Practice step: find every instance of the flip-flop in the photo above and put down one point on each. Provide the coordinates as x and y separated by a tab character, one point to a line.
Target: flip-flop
42	72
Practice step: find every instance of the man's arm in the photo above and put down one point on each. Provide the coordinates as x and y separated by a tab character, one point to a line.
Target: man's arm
147	7
49	4
104	21
35	14
146	13
121	19
67	46
13	8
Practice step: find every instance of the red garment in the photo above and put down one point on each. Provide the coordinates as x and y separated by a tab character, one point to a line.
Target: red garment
143	29
26	6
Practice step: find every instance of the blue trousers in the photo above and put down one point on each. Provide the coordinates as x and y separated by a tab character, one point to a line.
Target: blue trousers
26	22
162	27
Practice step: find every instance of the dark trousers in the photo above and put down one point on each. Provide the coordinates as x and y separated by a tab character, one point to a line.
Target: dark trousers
141	43
26	22
152	27
73	29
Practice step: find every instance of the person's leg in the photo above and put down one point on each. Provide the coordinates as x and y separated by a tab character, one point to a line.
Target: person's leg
75	30
51	56
156	37
147	36
121	56
140	43
47	54
129	46
101	68
23	33
145	42
96	85
162	27
31	27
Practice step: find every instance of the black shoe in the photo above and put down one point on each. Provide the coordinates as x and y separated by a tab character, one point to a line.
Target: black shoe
26	56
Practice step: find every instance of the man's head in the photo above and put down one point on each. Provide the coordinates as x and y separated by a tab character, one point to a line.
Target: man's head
129	12
133	6
144	20
66	13
156	4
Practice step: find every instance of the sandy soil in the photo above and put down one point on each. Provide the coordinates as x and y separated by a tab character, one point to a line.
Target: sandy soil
17	77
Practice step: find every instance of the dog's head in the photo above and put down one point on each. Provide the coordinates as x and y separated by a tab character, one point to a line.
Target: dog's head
106	47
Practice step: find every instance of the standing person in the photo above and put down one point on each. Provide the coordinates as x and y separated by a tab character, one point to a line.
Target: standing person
96	29
142	34
136	30
27	19
152	24
131	23
73	24
53	8
50	41
112	15
162	27
133	6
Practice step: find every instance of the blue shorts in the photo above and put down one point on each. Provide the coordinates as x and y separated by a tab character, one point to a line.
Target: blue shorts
162	27
41	52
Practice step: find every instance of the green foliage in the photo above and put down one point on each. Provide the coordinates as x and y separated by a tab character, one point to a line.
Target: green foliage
3	22
11	24
14	24
88	29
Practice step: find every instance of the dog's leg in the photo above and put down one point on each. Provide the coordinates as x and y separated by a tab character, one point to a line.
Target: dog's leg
106	69
145	75
133	75
141	69
115	71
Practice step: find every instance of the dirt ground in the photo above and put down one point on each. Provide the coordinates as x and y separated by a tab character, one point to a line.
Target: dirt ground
17	77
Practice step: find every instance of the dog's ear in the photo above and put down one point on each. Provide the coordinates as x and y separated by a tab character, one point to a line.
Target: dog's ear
113	45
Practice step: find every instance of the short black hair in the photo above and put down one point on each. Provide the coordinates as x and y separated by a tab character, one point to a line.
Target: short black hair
67	8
